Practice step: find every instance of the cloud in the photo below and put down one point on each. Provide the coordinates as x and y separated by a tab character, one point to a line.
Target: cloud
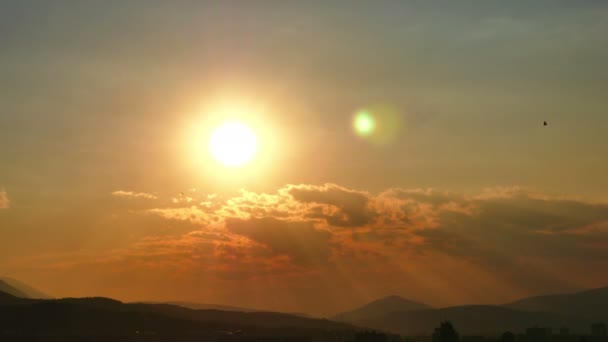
352	208
430	242
410	220
193	214
132	194
4	202
301	241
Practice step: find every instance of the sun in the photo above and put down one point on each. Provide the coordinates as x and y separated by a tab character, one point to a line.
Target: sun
233	144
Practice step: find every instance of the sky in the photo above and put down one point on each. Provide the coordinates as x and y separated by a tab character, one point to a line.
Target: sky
107	187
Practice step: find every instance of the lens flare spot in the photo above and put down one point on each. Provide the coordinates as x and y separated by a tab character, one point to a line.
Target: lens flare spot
379	124
364	123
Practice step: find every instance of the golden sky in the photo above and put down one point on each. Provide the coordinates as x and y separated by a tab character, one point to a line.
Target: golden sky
400	149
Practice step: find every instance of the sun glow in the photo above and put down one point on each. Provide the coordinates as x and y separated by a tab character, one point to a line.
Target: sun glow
233	144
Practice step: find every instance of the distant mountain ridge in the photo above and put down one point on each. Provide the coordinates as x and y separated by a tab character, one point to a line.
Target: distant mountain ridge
105	317
590	303
9	299
472	320
380	307
8	289
395	314
20	289
204	306
391	314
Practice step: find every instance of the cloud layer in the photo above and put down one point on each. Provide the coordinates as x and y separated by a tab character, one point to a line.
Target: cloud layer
307	242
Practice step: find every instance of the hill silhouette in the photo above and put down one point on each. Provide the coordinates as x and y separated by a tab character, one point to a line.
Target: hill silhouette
203	306
380	307
110	319
8	289
107	318
591	303
20	289
471	320
395	314
9	299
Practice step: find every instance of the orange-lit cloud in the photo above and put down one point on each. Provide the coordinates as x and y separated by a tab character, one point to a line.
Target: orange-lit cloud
422	243
133	194
417	216
311	225
4	202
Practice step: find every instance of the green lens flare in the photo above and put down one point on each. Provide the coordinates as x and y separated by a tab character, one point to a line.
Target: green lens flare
364	123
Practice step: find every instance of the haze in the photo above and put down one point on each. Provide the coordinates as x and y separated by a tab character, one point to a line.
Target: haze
105	188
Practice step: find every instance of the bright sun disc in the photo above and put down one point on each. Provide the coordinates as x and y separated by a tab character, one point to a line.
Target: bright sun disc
233	144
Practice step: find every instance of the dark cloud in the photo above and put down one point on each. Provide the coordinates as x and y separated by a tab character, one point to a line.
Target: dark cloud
299	240
352	206
525	226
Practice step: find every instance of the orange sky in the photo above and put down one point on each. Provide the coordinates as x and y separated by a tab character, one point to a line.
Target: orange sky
323	248
459	194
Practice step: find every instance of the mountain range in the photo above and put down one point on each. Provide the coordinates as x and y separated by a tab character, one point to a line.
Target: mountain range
204	306
101	318
20	289
21	309
398	315
380	307
590	304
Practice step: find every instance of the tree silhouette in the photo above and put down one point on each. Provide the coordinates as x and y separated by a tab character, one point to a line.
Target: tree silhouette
507	337
446	333
370	336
